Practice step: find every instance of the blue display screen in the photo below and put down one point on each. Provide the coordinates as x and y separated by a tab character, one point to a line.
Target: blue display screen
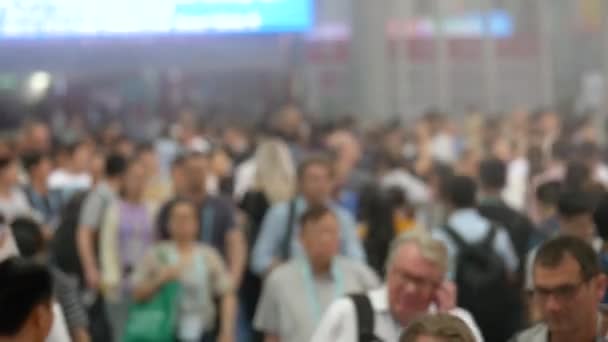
90	18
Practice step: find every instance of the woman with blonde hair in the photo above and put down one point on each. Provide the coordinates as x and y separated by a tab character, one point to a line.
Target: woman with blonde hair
438	328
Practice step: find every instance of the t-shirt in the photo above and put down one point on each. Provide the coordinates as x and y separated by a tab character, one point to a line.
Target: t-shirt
15	205
69	183
285	307
201	282
216	219
94	206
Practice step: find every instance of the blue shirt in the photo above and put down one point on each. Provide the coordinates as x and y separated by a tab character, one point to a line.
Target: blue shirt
472	228
274	227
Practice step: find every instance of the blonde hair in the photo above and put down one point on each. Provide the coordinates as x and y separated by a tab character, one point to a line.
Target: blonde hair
275	174
431	249
447	327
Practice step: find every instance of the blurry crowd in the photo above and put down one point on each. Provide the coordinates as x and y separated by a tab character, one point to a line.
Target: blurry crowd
300	229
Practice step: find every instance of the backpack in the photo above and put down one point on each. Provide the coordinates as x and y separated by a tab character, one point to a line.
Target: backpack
483	286
365	318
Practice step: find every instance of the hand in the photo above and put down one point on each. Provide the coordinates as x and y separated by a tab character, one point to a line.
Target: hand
92	278
169	273
226	337
446	296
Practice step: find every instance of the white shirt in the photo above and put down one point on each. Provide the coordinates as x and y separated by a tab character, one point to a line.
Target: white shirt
415	189
339	324
61	179
244	178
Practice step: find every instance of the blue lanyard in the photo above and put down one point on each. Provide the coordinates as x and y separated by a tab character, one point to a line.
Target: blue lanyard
311	288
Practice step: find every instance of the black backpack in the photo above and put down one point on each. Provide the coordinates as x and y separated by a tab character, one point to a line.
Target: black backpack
484	288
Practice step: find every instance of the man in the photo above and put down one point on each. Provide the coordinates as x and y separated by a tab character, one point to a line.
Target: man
73	175
492	174
45	202
217	216
568	286
414	285
277	241
26	301
91	216
35	137
575	212
320	277
482	261
547	198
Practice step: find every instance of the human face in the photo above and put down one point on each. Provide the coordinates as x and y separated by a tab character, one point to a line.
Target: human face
81	158
567	302
412	282
195	174
321	239
39	323
135	181
9	176
316	184
43	169
183	222
580	226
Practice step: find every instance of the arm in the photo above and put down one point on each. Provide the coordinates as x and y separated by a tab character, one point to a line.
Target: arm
85	241
146	289
80	335
236	250
228	318
263	256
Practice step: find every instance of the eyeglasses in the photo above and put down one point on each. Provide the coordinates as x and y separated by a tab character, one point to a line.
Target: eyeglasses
421	283
560	293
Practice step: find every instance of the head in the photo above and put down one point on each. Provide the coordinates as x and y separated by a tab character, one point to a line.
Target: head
37	137
124	146
196	167
178	175
26	300
316	180
568	284
440	327
460	193
115	168
9	172
492	175
578	176
575	211
148	157
547	198
37	165
28	237
275	171
221	163
98	166
135	180
415	268
79	156
590	153
289	120
183	221
320	235
347	150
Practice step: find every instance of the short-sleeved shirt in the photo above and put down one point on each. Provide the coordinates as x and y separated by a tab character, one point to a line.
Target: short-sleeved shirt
197	294
216	219
285	308
95	204
16	205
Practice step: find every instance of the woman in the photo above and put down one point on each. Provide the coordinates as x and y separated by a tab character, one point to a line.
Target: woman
127	233
438	328
201	273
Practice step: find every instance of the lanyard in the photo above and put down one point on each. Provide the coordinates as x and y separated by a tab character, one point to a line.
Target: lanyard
208	222
311	288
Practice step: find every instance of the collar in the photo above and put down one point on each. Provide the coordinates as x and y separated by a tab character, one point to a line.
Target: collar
379	299
463	213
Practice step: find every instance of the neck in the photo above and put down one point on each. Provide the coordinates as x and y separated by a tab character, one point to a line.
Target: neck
320	268
589	334
113	183
40	186
491	193
184	246
133	198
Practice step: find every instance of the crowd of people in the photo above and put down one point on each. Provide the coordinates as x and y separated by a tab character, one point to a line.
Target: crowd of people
486	229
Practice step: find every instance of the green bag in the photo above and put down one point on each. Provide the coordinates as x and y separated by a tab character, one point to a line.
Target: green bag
154	320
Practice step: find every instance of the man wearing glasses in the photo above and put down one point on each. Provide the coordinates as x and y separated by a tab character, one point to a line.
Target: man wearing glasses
568	287
416	268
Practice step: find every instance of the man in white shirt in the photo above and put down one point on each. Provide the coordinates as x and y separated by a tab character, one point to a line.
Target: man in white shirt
416	268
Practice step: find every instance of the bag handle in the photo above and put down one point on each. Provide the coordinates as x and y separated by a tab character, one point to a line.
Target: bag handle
365	318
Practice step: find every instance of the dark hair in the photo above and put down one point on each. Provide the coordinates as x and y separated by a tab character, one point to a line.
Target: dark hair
588	150
552	253
5	161
179	201
577	176
319	160
493	173
178	161
445	326
28	236
144	148
600	216
460	191
561	150
23	286
574	203
549	193
314	214
116	165
32	159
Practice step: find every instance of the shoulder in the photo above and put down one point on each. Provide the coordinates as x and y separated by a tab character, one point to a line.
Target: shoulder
353	266
536	333
283	274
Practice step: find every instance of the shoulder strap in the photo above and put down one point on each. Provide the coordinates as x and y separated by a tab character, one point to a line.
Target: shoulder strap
456	238
488	241
365	318
286	248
